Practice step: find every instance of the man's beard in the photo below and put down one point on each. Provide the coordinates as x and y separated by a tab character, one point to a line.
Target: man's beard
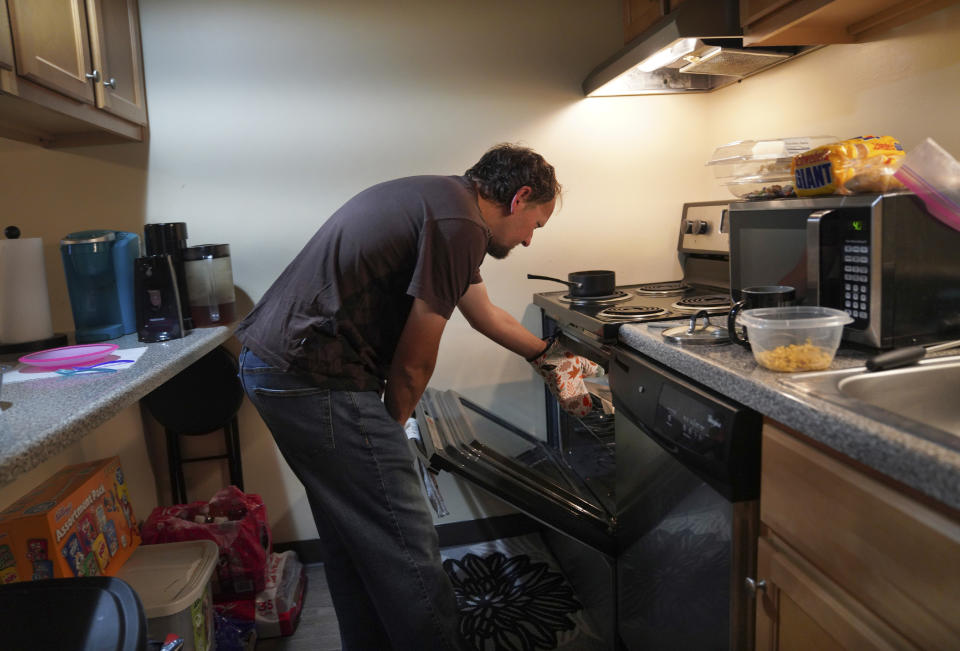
497	250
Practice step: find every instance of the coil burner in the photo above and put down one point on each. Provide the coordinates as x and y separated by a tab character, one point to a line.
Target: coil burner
712	303
669	288
616	297
627	313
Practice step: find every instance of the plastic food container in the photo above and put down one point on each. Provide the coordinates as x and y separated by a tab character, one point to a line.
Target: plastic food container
795	338
173	583
760	169
934	175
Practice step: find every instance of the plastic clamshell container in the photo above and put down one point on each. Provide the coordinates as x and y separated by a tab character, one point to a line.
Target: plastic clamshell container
173	581
934	176
749	168
794	338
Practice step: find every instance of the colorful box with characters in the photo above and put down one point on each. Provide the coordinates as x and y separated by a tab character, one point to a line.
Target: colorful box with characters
79	522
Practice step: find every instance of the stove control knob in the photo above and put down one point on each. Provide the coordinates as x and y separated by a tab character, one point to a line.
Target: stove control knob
688	227
702	227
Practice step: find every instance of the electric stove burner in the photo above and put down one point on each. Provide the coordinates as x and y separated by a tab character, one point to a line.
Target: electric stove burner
616	297
630	313
712	303
669	288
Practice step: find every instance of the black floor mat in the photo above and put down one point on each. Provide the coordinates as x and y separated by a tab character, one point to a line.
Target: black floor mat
513	596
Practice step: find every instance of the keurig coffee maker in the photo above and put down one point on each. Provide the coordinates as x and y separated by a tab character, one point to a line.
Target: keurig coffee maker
171	239
99	268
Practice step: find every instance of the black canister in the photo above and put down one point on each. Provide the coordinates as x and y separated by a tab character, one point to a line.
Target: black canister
157	301
170	238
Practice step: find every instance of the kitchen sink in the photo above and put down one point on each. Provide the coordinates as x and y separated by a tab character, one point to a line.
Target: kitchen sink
923	398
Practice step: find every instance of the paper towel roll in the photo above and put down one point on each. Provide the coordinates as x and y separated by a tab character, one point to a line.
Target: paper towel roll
24	304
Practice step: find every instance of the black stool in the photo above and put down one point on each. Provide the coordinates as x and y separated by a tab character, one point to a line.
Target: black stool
199	400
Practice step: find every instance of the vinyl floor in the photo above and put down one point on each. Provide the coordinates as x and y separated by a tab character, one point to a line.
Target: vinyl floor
499	579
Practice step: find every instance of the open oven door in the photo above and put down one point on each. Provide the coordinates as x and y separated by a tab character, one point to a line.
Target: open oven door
524	471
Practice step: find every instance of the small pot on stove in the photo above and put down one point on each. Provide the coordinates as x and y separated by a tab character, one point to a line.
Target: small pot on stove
585	283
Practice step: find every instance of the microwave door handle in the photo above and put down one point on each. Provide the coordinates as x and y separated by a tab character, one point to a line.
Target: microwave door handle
813	254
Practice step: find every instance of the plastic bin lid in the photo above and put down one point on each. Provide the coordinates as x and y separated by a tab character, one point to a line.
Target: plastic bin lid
767	149
169	577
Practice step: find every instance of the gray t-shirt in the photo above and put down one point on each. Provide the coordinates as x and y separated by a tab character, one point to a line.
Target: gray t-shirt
336	312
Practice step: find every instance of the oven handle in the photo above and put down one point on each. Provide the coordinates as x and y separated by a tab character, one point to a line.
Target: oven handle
589	341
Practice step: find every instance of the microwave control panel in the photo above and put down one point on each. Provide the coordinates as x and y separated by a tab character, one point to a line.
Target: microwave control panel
845	265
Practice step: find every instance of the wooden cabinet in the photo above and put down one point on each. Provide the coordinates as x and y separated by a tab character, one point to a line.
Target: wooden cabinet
848	560
78	73
51	45
821	22
640	15
6	43
115	48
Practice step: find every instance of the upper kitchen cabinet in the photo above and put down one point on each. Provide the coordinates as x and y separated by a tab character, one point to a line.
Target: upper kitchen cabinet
6	45
822	22
639	15
78	74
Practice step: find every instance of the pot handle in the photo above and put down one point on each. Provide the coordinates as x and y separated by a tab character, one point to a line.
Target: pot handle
569	284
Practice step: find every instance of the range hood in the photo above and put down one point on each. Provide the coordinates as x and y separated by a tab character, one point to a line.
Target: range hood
697	47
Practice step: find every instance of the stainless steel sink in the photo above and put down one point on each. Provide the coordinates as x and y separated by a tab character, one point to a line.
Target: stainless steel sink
923	399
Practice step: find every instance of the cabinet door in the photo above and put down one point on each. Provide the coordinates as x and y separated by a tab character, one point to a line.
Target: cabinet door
6	44
638	15
115	45
896	555
802	609
50	42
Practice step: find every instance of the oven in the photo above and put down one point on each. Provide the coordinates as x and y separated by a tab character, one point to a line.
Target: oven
617	488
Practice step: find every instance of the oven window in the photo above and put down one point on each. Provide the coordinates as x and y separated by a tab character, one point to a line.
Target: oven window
773	256
591	472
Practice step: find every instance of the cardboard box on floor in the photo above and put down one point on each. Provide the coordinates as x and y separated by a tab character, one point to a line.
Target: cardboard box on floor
79	522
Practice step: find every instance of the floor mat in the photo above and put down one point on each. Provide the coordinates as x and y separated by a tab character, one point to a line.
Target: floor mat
513	596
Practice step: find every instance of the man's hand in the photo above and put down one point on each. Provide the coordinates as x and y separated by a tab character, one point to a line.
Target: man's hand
564	372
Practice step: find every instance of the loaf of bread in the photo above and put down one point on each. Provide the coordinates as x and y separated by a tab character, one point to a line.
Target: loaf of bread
863	164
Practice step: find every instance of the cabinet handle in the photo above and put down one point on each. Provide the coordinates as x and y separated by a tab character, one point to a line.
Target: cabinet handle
111	83
754	586
95	75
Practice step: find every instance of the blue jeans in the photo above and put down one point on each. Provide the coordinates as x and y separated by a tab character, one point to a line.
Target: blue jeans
381	553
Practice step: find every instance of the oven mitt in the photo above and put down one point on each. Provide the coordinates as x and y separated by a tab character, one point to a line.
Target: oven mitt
564	372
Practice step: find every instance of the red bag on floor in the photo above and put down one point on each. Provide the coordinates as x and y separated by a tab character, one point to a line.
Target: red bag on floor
237	522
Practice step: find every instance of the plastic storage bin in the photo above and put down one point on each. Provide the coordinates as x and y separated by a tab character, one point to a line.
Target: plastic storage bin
760	169
934	175
173	583
794	338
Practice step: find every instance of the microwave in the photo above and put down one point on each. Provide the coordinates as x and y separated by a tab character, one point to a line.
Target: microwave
882	258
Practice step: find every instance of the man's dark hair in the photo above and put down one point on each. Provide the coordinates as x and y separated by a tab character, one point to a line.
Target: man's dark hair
506	168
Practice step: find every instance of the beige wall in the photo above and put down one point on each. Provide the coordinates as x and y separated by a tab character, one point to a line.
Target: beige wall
265	117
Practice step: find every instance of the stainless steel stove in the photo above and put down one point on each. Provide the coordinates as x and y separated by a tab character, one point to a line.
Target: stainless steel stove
704	253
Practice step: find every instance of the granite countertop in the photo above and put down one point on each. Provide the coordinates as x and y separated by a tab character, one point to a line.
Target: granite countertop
928	467
42	417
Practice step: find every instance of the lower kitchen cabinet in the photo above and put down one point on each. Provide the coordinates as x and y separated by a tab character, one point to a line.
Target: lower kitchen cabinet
847	560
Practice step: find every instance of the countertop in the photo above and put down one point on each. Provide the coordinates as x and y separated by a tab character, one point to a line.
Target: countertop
42	417
928	467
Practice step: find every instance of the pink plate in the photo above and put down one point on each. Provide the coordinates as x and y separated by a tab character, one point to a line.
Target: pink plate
67	356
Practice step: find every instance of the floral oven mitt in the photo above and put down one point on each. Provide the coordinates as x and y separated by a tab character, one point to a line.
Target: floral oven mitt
564	372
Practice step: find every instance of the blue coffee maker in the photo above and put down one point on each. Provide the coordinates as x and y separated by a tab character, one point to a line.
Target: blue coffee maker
99	269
